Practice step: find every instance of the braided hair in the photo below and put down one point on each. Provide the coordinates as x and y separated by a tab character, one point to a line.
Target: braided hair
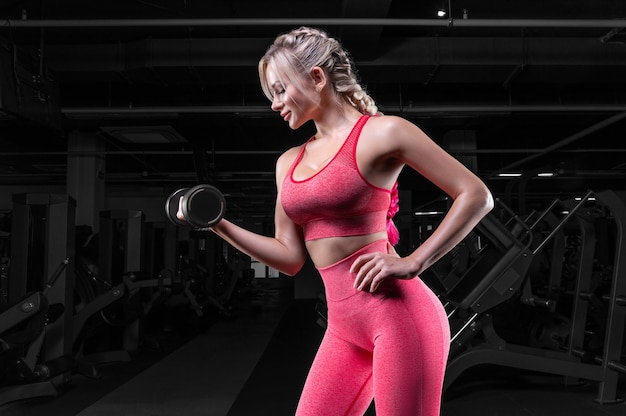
296	53
394	206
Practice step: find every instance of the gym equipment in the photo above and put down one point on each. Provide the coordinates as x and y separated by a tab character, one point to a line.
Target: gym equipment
42	235
117	299
120	244
496	277
93	301
121	250
24	331
203	206
545	293
172	204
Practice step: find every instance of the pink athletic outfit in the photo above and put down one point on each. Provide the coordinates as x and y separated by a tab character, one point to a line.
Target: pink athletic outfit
391	345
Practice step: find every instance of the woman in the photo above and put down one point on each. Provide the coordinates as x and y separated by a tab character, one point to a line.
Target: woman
387	337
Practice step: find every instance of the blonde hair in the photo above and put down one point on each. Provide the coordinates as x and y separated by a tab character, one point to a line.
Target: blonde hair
296	53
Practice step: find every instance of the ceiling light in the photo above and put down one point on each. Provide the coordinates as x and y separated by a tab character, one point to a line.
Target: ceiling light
427	213
509	175
444	8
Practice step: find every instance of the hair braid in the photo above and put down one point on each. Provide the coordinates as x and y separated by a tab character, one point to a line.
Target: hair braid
302	49
394	207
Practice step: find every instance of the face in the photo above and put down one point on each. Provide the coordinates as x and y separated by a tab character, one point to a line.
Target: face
293	104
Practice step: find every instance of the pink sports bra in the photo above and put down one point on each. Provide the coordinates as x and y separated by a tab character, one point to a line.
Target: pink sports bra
336	201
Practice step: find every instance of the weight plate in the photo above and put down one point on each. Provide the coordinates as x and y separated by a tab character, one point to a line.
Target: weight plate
203	206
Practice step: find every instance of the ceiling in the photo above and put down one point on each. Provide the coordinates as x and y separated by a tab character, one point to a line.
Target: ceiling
171	88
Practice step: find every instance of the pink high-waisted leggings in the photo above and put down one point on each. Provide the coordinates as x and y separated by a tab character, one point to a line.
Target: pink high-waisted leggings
391	346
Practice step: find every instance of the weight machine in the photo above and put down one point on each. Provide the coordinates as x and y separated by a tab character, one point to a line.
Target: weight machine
36	336
501	267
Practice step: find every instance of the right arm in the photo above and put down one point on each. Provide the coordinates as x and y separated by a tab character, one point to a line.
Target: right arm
285	251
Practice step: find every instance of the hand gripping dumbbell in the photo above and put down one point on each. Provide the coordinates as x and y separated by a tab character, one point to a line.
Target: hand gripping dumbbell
203	206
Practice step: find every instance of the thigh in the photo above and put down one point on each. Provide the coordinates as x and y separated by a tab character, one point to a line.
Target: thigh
339	381
398	371
410	355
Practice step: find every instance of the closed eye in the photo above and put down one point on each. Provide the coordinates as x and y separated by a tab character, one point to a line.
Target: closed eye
278	88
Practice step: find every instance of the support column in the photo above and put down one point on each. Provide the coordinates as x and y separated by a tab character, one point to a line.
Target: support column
86	176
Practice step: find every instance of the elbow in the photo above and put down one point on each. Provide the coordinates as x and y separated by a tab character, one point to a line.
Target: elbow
480	200
291	261
291	271
488	201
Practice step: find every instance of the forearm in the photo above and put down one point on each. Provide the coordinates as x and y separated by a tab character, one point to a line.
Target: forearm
464	214
277	252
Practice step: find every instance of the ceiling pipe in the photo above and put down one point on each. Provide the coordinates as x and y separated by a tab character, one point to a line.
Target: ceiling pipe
574	137
86	112
143	153
276	152
468	23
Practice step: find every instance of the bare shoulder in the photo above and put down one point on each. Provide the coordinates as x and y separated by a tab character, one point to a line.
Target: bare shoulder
285	160
288	156
394	125
393	132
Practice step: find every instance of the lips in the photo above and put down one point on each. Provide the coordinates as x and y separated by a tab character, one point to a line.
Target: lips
286	115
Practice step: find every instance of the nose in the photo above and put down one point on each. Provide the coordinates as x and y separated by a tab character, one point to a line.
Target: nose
276	103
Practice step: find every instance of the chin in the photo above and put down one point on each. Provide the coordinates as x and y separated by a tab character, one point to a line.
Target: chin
294	125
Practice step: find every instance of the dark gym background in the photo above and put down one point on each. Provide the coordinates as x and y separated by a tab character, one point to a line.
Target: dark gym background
106	107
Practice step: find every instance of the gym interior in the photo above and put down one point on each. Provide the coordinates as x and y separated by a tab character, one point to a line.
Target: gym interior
112	110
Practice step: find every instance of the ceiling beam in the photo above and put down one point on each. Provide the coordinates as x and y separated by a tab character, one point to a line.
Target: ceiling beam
561	143
202	53
440	110
289	22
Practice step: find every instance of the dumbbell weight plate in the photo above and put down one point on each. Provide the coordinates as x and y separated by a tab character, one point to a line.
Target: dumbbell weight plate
171	206
203	206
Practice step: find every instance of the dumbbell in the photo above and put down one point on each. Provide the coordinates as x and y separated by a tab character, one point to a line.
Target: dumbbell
203	206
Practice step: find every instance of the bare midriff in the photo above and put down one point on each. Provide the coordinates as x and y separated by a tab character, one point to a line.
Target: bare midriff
330	250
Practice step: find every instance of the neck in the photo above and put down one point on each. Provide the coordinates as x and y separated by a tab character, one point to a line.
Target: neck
332	123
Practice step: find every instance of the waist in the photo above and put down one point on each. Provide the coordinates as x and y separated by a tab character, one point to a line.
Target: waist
338	281
327	251
356	225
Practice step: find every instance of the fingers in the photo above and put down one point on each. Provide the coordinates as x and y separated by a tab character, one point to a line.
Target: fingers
179	213
373	269
363	280
368	269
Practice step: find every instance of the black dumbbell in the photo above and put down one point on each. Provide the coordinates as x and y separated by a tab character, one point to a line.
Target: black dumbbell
203	206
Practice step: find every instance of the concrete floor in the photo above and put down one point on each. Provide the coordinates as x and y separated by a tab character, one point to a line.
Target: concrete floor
254	364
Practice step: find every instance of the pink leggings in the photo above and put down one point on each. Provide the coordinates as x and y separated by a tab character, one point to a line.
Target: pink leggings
391	346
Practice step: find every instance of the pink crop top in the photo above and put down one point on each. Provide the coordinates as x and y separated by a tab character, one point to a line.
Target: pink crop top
336	201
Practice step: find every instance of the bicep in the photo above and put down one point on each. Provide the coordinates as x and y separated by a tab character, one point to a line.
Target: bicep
285	230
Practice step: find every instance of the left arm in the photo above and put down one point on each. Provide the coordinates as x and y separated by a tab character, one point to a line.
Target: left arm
472	201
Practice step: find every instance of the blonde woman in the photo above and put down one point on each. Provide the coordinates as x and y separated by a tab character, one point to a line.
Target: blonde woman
387	338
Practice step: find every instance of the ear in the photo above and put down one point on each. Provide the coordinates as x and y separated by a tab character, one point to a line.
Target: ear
319	78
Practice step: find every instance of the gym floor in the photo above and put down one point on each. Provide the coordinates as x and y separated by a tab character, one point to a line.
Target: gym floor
254	363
